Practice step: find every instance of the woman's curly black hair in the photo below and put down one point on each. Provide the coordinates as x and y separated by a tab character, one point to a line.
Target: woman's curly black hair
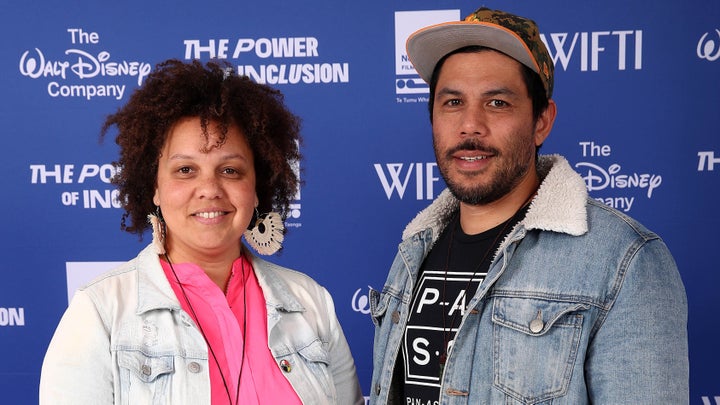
175	90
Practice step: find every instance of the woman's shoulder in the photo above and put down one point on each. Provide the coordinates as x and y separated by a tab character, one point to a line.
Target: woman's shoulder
123	276
269	269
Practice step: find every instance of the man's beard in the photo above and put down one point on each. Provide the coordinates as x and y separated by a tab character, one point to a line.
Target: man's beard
514	167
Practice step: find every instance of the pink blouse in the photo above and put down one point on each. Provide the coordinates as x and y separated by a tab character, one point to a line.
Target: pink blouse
221	317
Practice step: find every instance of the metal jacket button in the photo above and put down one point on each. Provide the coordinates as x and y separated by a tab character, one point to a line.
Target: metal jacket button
396	316
285	366
194	367
146	370
537	324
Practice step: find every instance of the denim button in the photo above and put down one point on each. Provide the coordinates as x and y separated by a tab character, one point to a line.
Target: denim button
537	324
194	367
146	370
396	316
285	366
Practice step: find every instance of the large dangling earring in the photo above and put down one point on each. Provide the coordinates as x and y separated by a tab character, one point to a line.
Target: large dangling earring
158	230
267	234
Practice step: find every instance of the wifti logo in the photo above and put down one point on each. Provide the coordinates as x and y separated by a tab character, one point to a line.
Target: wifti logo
360	301
711	400
409	87
622	49
396	177
708	47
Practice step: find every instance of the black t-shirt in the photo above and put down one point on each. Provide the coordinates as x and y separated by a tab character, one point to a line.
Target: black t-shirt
448	279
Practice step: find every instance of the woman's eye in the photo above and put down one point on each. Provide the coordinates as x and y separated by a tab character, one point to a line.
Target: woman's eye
184	170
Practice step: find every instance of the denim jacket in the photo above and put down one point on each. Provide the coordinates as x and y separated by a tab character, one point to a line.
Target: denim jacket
612	307
124	339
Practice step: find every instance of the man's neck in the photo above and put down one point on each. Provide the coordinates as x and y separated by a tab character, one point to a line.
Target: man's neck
475	219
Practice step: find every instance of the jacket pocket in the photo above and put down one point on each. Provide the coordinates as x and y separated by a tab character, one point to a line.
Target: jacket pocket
308	370
144	376
535	345
318	362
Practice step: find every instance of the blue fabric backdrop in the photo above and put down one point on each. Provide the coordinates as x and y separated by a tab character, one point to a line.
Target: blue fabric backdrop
636	87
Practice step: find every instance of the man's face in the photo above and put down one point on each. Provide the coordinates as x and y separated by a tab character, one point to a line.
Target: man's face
483	131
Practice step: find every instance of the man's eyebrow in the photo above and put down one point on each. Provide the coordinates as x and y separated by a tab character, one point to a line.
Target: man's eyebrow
500	91
448	91
489	93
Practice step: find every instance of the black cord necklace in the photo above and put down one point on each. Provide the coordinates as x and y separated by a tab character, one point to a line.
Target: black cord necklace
202	332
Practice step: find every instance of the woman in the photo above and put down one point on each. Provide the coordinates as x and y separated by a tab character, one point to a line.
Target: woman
196	318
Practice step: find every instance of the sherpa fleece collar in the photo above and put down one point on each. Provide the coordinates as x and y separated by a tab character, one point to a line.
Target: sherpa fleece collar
560	204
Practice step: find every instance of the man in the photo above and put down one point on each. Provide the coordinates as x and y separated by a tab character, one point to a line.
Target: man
514	286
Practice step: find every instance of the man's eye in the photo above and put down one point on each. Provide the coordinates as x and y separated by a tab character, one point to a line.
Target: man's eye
453	102
498	103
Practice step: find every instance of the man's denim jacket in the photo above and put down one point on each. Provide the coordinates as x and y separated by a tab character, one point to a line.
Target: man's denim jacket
125	340
609	295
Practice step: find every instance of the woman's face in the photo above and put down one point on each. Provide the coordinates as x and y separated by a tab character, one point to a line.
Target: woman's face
206	198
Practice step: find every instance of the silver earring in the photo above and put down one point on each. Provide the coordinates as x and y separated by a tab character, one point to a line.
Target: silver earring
158	230
268	233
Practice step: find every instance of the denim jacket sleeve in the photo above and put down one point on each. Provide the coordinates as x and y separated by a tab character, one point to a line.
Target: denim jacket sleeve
78	368
639	352
342	364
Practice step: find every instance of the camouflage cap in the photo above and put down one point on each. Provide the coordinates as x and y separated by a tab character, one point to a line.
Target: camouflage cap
515	36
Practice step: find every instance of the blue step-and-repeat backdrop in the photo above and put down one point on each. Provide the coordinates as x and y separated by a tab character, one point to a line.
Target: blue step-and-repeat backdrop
637	87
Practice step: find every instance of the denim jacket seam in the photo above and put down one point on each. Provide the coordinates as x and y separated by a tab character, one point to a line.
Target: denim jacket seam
621	275
579	299
104	316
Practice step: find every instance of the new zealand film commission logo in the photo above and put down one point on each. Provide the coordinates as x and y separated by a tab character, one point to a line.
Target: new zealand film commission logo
590	48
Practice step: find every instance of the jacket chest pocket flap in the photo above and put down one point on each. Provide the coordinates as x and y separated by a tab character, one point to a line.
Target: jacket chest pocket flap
145	367
535	345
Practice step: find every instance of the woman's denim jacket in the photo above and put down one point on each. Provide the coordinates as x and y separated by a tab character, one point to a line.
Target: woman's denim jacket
124	339
611	303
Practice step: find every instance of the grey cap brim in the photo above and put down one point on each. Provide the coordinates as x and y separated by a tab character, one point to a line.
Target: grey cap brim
428	45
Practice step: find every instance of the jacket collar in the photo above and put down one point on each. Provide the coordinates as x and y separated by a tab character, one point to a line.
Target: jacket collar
559	205
155	292
278	294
